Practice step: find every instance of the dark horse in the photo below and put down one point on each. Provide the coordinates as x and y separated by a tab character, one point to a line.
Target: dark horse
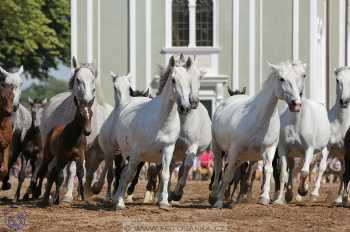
31	147
346	175
66	143
6	109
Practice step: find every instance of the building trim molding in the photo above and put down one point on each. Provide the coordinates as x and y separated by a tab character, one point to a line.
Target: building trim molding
252	46
74	28
89	30
132	41
148	41
235	45
295	29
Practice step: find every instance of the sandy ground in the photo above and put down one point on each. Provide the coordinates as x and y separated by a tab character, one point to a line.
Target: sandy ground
194	209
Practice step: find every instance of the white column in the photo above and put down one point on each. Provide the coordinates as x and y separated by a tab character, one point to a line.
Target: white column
99	38
235	45
252	41
342	37
215	57
89	31
192	19
74	28
168	27
295	29
148	25
132	41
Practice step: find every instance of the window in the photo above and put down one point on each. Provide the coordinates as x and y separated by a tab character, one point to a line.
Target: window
180	19
204	23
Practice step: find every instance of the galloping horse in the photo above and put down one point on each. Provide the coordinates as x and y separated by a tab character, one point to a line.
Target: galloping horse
6	109
146	130
21	118
244	127
66	143
32	147
85	86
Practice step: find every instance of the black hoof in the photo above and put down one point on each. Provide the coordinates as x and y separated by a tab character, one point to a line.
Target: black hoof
289	196
212	200
174	197
26	197
44	203
95	189
6	186
302	192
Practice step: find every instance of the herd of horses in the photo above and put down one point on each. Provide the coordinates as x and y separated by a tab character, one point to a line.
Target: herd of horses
77	131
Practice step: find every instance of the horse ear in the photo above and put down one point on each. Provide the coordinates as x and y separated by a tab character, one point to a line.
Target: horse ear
131	91
20	70
273	66
74	62
230	91
172	61
30	101
146	93
189	63
113	75
44	102
3	71
182	58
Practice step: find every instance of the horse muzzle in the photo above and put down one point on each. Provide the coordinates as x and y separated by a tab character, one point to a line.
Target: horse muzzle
194	101
344	103
295	106
183	109
87	132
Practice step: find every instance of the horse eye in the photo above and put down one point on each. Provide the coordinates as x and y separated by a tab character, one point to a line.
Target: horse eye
94	90
337	81
281	80
301	94
173	80
304	75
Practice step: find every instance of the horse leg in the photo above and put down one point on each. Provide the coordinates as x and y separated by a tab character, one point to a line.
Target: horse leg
52	174
151	188
227	177
217	170
268	153
289	192
32	179
21	177
58	181
323	165
127	175
187	165
16	151
80	174
283	175
303	187
246	182
276	164
134	182
69	182
341	189
110	177
92	163
97	186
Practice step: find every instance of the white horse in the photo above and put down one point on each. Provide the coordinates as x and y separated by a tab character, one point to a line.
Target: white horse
246	127
146	130
306	132
339	117
85	87
22	118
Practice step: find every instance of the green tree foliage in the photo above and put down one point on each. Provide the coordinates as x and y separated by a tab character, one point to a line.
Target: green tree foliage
34	33
45	89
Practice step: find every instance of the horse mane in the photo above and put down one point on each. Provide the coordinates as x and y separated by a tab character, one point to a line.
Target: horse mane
340	69
164	76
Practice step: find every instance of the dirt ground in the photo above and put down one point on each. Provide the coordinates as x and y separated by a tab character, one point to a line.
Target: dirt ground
194	209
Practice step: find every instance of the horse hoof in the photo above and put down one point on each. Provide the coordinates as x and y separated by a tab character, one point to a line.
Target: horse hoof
264	201
299	198
67	199
108	198
218	204
148	197
314	197
96	189
6	186
302	192
279	201
44	203
129	199
173	196
212	199
26	197
289	196
120	206
338	201
164	205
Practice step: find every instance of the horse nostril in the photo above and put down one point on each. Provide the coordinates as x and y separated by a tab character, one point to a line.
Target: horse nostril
341	101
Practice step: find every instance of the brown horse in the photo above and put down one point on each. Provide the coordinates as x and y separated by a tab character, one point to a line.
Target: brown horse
31	149
6	109
66	143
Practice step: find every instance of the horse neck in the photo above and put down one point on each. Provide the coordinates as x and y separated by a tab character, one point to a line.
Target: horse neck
73	131
265	104
342	115
4	120
168	107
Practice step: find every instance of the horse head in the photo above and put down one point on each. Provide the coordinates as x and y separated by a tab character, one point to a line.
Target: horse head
196	75
85	113
37	108
16	81
121	85
83	82
343	86
6	100
300	71
180	84
285	85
